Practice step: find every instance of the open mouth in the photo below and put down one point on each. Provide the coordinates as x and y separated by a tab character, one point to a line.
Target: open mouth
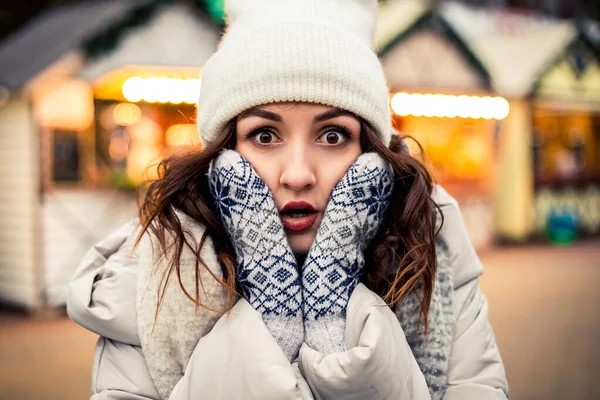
298	216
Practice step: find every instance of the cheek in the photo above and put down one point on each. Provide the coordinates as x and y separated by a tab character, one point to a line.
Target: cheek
264	165
333	169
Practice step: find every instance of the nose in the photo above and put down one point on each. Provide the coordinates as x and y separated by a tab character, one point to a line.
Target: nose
299	170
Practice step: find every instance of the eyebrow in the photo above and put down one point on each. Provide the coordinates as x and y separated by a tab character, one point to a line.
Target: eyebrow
336	112
258	112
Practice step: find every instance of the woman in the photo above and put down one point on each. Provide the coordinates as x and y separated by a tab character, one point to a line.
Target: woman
263	260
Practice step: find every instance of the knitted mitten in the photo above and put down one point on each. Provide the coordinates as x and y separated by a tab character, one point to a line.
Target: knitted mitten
266	268
335	261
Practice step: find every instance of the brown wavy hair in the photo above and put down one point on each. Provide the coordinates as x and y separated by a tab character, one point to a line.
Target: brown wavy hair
400	259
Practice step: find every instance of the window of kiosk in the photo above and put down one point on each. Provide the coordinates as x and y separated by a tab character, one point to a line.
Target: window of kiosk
566	147
66	156
458	151
132	138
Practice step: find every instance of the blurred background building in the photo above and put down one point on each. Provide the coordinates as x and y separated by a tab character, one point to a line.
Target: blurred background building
503	96
555	8
92	93
505	105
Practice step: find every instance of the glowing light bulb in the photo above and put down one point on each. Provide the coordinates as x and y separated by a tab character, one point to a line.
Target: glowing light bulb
501	108
475	110
451	108
417	104
427	105
439	104
162	87
463	104
150	90
192	90
401	104
177	91
133	89
487	107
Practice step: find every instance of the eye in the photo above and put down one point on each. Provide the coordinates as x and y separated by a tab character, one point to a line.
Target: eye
263	137
335	136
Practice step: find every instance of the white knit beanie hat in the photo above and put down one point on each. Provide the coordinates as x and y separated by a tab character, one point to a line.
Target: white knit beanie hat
314	51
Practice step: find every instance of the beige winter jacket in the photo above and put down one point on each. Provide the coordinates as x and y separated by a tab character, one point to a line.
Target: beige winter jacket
239	359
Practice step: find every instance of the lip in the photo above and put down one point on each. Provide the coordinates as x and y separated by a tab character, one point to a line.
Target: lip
298	205
298	224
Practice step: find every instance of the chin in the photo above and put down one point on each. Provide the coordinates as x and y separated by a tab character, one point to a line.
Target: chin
300	242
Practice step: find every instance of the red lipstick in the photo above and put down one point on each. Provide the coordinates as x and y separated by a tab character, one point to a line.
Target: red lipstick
298	216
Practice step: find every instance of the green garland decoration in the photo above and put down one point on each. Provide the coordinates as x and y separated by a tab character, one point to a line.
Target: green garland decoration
215	8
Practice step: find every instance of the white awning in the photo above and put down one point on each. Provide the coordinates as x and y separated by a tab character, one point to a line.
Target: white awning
515	48
175	36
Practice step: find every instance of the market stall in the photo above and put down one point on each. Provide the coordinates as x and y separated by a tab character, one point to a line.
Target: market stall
111	89
441	96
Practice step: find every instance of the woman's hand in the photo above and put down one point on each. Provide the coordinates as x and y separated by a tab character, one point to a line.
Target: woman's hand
335	262
266	267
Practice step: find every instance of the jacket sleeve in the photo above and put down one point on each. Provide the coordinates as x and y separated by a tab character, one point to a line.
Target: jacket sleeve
119	372
100	296
379	363
475	369
238	359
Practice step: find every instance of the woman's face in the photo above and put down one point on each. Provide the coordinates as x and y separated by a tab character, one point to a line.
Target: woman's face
301	151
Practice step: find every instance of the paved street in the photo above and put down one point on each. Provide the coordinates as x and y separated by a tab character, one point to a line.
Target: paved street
44	359
545	309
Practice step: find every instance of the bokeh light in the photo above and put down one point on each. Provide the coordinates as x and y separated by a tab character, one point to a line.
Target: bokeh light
449	106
